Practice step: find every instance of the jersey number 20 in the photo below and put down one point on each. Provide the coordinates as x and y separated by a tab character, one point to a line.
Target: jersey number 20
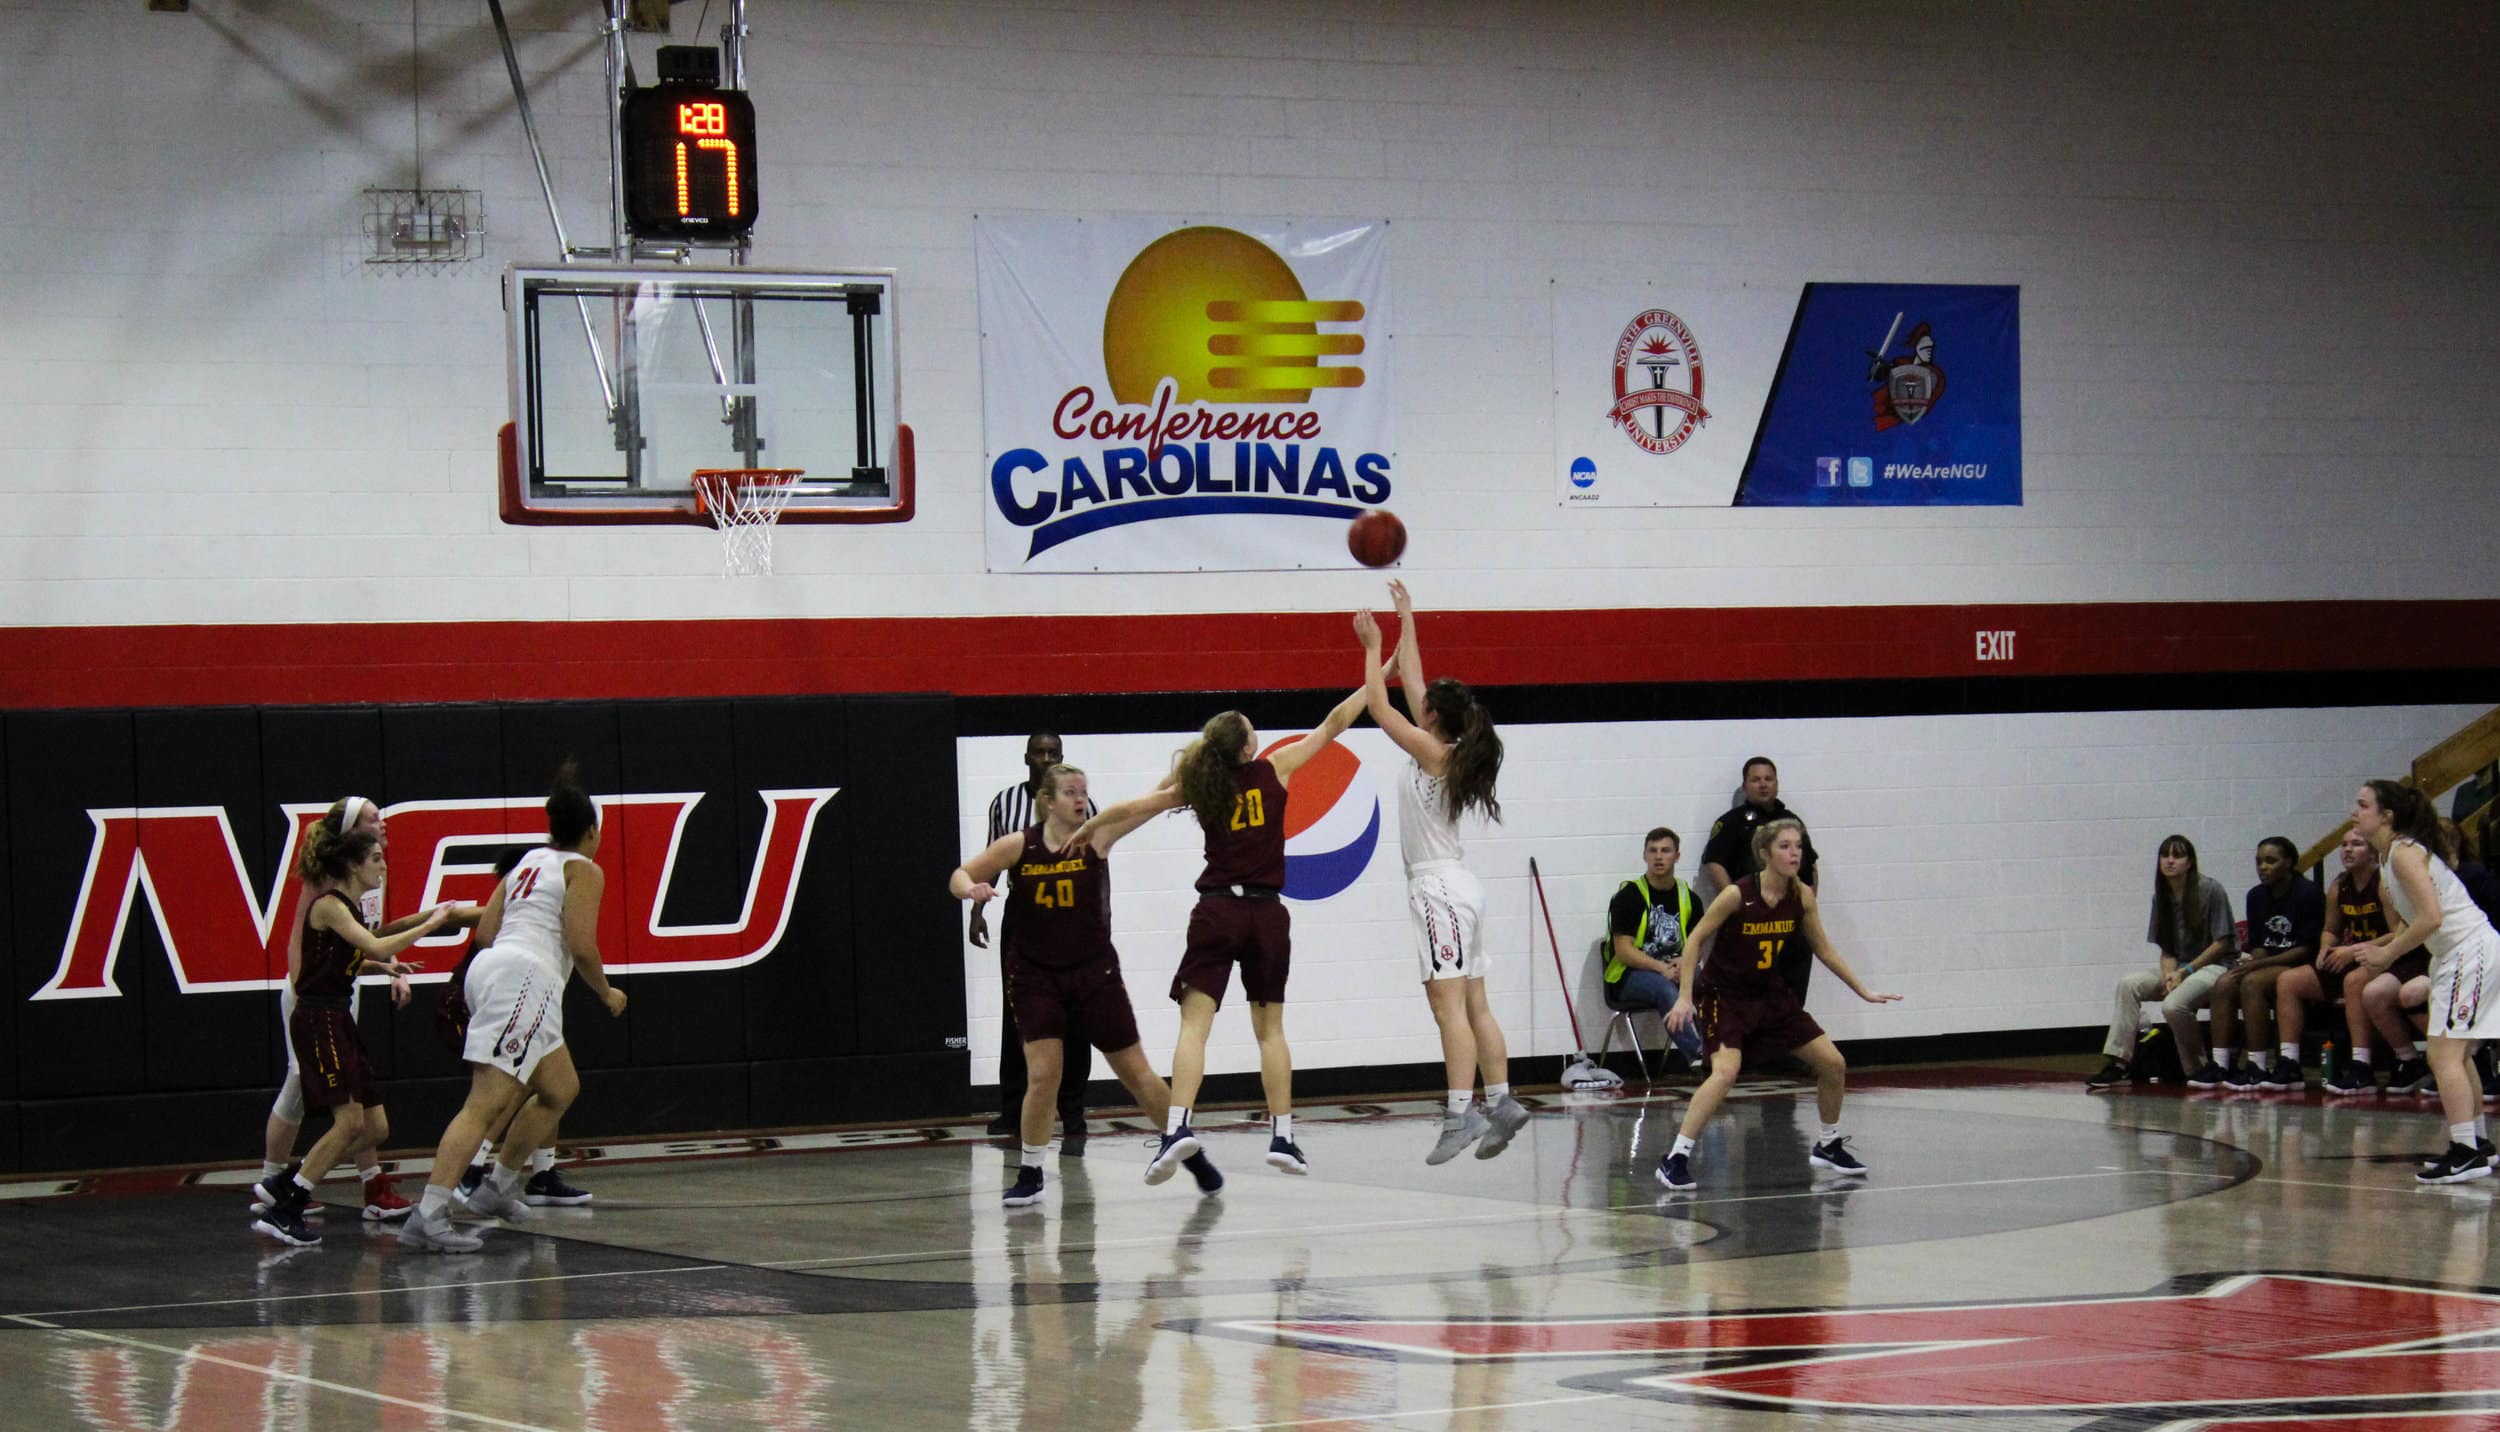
1249	809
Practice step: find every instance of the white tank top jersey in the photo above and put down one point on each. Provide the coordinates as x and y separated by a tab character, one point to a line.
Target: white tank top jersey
2460	919
533	908
1426	833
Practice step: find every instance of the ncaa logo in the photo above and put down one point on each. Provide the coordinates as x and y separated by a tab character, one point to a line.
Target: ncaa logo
1331	826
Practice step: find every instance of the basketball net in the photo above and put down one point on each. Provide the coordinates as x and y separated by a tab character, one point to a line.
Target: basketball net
745	503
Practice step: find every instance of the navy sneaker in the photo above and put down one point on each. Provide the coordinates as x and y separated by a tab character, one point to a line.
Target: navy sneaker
1676	1171
2411	1077
2350	1081
549	1190
1210	1179
285	1223
1285	1156
1027	1190
1177	1148
1835	1156
2244	1079
2286	1077
2209	1075
2111	1075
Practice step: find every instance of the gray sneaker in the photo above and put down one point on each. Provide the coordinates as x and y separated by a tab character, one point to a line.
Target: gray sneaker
490	1200
1507	1118
436	1235
1457	1132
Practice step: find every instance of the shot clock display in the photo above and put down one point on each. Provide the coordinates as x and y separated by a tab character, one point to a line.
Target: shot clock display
689	162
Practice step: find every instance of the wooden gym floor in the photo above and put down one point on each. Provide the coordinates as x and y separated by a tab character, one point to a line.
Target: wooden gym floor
2023	1255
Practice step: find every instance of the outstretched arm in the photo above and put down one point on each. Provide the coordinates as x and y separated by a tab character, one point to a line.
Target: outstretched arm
381	952
1290	759
1410	651
1128	815
1813	916
1414	740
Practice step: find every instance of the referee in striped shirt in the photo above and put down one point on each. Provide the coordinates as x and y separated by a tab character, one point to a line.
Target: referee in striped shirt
1012	810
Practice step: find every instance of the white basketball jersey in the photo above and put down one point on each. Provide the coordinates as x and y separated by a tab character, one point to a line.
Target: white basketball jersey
533	907
2460	919
1425	831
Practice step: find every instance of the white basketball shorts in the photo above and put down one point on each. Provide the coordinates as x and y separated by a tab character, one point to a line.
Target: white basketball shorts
516	1012
1446	905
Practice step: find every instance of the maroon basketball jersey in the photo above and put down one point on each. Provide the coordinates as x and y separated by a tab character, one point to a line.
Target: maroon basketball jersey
1059	907
1745	955
329	964
1248	847
2357	899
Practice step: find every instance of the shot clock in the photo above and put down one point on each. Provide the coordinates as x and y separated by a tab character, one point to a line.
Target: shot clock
689	162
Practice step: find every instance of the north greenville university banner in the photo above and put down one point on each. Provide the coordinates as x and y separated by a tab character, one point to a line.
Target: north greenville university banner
1160	396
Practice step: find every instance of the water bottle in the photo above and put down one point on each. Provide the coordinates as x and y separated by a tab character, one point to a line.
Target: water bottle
2326	1060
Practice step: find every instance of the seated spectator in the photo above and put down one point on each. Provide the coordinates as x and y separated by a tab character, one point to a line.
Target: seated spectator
1728	857
2191	926
2285	914
2353	916
1645	927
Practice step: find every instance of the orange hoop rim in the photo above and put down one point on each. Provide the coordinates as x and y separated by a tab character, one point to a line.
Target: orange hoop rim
734	479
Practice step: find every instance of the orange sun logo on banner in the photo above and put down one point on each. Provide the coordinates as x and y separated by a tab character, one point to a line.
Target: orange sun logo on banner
1219	314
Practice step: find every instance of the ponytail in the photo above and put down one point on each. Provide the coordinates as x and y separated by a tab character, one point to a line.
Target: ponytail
2413	816
570	814
1205	767
329	855
1475	761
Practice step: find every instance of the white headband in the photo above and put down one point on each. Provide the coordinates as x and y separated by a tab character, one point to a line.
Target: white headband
352	810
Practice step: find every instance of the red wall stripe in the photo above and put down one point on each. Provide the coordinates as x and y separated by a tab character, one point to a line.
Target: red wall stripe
301	663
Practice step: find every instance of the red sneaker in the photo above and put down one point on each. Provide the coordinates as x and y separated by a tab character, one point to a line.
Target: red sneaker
382	1202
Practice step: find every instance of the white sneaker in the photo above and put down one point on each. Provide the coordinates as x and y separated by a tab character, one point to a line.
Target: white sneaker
436	1235
1507	1117
1457	1132
488	1200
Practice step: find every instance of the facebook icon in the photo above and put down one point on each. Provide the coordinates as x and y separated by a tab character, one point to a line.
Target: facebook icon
1827	472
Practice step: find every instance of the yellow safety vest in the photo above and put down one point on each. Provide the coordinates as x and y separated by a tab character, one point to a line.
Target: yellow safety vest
1640	932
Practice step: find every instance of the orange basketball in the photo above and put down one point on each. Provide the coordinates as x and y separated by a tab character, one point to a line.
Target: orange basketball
1376	538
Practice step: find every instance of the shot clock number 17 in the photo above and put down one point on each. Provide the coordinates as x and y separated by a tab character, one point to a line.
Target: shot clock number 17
689	162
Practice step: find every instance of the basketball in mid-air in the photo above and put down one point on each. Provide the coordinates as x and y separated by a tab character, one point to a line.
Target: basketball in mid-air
1376	538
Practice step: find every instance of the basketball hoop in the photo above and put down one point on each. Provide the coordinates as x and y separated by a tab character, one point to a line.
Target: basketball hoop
744	503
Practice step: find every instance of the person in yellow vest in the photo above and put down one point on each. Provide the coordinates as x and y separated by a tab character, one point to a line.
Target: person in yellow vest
1645	926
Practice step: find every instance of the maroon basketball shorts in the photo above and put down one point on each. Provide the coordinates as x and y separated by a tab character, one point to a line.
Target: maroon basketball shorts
330	1054
1252	931
1759	1027
1047	997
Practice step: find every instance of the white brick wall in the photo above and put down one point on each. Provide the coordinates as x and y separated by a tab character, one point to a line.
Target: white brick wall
1996	870
2259	307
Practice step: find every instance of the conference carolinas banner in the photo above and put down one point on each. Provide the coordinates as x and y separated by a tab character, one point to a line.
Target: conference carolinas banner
1874	395
1159	396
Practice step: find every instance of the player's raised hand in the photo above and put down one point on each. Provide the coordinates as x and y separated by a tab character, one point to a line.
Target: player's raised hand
1367	630
1405	603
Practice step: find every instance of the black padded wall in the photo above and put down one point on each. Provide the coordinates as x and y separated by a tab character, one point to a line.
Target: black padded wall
854	1011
